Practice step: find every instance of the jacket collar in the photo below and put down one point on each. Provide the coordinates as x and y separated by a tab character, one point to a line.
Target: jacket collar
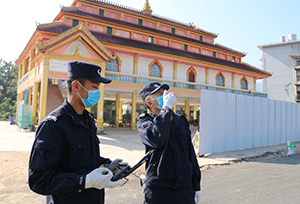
74	115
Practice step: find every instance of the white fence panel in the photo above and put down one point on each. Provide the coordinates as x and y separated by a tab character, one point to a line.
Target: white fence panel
231	121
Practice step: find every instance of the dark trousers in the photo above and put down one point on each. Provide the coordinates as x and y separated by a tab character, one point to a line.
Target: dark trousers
169	196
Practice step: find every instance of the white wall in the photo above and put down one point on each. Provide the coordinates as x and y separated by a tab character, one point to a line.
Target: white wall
127	63
232	121
277	60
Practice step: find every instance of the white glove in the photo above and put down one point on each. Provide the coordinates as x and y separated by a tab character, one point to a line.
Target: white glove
169	100
100	178
197	197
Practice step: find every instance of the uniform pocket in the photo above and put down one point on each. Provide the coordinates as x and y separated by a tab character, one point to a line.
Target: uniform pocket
79	154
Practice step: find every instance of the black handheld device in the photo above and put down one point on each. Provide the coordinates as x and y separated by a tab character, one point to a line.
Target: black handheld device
128	170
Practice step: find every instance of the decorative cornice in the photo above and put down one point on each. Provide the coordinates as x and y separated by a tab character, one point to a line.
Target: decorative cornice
266	72
238	52
40	25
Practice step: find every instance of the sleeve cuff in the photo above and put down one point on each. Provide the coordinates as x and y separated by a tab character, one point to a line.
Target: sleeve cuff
81	183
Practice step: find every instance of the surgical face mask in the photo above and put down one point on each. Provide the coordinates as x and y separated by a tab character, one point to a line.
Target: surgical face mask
92	99
160	101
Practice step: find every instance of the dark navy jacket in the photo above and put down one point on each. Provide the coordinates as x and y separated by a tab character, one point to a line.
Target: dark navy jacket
64	151
179	166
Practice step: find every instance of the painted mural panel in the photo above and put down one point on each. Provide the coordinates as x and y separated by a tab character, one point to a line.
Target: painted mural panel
149	24
58	66
113	15
194	49
181	32
122	33
89	9
176	45
164	28
95	27
206	52
193	36
162	42
229	58
208	40
139	37
129	19
221	56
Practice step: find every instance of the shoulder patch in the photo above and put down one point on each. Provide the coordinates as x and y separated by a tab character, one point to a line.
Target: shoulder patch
142	115
51	117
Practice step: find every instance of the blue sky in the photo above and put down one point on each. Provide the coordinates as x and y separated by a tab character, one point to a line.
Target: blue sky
241	25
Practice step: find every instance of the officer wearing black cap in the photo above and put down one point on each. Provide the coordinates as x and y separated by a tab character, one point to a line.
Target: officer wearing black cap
65	158
172	173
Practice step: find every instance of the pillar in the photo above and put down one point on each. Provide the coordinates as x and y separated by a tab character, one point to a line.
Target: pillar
195	112
29	99
206	76
25	62
121	112
20	75
89	109
135	64
174	70
17	110
31	54
187	109
254	83
117	109
233	80
34	101
133	111
100	105
44	87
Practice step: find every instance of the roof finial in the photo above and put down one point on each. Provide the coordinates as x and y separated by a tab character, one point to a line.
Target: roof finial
146	8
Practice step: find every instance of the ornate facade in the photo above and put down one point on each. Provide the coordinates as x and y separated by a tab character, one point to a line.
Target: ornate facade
133	48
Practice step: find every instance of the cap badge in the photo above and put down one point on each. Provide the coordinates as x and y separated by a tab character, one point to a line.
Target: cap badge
156	85
99	72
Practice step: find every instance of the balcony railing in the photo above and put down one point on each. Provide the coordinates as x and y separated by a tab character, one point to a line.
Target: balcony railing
142	80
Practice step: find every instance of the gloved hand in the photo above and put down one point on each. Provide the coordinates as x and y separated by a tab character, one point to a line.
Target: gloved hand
100	178
197	197
118	164
169	100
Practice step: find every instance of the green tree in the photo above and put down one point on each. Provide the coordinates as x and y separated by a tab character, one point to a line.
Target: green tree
8	95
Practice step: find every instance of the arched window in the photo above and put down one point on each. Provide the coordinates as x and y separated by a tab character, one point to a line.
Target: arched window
220	79
244	83
115	65
155	69
191	77
112	66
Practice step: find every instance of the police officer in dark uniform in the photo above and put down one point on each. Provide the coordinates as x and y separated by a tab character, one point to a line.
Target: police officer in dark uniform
65	159
172	173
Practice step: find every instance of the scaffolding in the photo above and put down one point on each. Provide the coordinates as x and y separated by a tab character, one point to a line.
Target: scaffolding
25	117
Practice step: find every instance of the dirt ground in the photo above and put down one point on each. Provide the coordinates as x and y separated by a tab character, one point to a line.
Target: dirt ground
13	179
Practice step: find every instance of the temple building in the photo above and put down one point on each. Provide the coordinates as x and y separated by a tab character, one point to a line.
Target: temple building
133	47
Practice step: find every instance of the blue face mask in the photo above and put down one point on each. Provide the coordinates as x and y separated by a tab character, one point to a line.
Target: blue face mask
160	101
92	99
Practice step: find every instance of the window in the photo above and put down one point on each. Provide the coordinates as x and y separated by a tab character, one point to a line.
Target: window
298	63
185	47
140	22
214	54
298	92
173	30
101	12
155	71
200	38
244	84
233	59
191	77
220	80
298	76
109	30
75	23
150	40
113	66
